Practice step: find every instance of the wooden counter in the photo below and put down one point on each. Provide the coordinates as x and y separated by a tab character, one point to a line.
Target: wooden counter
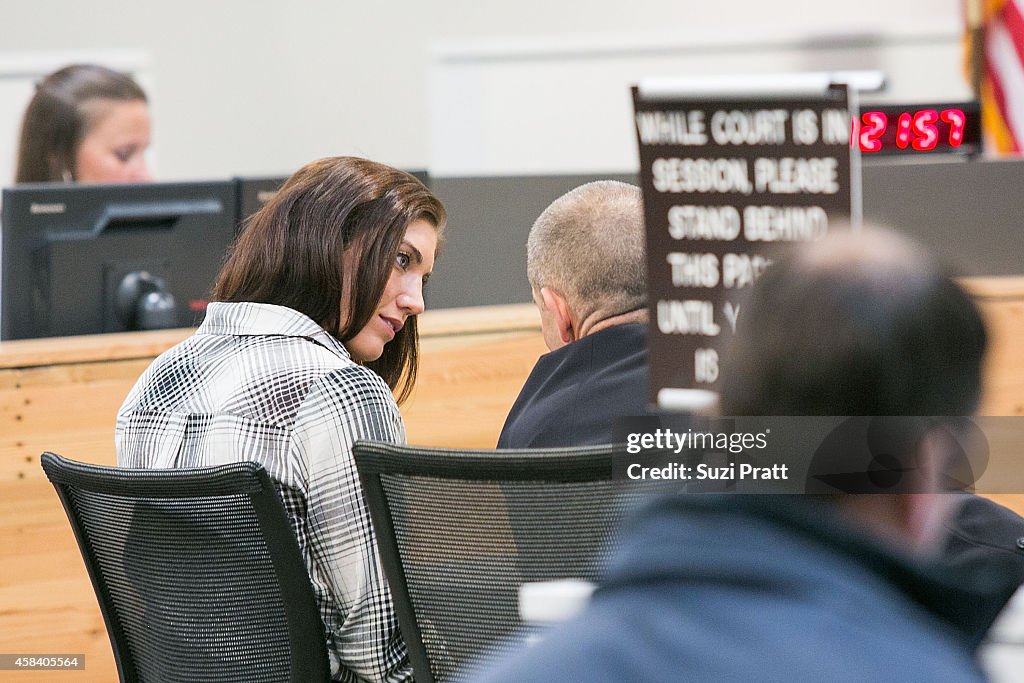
62	395
1001	300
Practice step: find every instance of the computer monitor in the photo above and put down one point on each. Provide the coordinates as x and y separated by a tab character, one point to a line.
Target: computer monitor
86	259
254	192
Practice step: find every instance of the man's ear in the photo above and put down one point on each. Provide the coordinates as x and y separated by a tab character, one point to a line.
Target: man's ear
928	511
560	313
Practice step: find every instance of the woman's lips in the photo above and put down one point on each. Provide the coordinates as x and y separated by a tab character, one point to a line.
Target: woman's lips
393	324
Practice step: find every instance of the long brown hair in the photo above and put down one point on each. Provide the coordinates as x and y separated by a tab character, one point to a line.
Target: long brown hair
55	120
290	251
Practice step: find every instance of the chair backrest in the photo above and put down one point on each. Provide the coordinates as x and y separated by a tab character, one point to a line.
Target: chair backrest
460	530
197	571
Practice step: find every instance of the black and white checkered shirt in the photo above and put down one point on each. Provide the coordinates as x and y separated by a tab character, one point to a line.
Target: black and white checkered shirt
266	383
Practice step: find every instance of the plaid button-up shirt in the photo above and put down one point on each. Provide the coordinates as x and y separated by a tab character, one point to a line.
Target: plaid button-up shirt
266	383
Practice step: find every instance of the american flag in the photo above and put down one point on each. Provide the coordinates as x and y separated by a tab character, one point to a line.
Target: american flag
995	62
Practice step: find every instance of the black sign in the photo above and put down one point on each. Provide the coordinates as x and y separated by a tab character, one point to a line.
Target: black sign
723	182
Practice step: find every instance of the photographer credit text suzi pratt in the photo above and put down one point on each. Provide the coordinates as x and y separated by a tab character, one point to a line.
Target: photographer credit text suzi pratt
708	444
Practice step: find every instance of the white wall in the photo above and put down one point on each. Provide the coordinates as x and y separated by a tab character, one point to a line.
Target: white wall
544	107
262	86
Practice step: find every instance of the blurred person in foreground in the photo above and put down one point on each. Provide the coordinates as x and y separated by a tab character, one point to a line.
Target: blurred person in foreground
799	588
87	124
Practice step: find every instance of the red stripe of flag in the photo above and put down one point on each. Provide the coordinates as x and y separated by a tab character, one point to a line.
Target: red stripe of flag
1000	97
1014	22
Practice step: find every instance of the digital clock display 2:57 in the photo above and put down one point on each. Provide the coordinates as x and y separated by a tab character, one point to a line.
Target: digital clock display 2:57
912	129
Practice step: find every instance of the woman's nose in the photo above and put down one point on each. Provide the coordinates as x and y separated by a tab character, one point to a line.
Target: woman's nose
411	298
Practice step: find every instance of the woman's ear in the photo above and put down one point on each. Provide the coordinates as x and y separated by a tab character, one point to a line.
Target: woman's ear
59	168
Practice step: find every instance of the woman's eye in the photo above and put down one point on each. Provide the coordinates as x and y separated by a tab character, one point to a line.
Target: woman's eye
124	154
403	260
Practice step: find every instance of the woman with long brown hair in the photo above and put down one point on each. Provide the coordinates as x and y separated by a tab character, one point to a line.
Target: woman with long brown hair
310	335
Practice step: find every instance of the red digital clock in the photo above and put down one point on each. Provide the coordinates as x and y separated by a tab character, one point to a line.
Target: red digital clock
911	129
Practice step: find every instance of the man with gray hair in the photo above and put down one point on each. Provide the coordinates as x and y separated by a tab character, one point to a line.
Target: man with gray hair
586	267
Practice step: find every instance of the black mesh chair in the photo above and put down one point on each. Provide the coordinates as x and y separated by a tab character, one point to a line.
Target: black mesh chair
197	572
459	531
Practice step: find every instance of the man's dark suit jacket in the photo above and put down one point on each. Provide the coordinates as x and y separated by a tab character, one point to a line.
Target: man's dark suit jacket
574	393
